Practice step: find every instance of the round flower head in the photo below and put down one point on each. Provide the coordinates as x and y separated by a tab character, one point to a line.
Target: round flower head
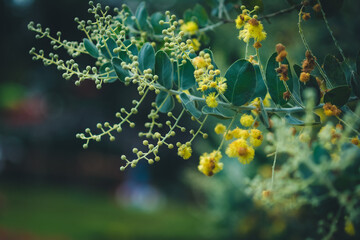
211	100
241	150
220	128
256	137
189	27
209	163
240	133
252	29
247	120
199	62
184	151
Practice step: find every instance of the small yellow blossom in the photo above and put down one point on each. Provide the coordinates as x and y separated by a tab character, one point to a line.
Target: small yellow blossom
240	133
228	136
199	62
195	44
209	163
241	150
184	151
220	128
241	20
256	137
349	228
211	100
252	29
246	120
355	141
266	100
189	27
221	84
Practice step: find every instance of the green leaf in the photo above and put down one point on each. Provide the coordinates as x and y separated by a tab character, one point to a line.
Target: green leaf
338	96
264	118
189	105
129	21
200	13
187	79
241	82
293	121
120	72
206	50
355	84
165	102
334	71
311	84
141	15
147	57
132	48
250	4
110	73
155	19
187	15
219	112
163	69
260	90
275	85
110	45
91	48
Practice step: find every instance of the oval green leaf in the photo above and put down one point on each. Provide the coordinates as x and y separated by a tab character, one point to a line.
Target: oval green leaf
165	102
338	96
275	85
241	82
110	45
147	57
189	105
124	54
91	48
164	69
120	72
141	15
187	79
334	71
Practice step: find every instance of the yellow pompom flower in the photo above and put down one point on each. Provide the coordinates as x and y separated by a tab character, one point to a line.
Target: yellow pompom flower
349	228
247	120
220	128
240	133
241	150
256	137
211	100
210	163
195	44
184	151
221	84
252	29
189	27
199	62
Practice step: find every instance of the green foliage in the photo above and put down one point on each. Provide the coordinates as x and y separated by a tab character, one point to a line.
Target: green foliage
186	72
241	81
311	84
334	71
218	112
147	57
165	102
91	48
189	105
120	72
275	85
338	96
164	69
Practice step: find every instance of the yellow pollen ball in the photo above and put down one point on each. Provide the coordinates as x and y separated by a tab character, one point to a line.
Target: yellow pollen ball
246	120
220	128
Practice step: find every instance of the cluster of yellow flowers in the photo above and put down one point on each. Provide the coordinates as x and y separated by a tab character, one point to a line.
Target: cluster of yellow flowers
210	163
191	28
245	139
251	27
208	79
184	151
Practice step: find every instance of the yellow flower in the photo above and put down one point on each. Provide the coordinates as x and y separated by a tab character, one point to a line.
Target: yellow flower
349	228
228	136
221	84
195	44
209	163
246	120
241	150
252	29
184	151
199	62
355	141
241	20
211	100
189	27
266	100
256	137
220	128
240	133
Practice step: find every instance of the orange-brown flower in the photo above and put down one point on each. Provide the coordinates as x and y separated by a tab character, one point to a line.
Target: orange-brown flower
283	72
331	110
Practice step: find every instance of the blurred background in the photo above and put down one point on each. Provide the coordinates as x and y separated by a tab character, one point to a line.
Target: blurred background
50	188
